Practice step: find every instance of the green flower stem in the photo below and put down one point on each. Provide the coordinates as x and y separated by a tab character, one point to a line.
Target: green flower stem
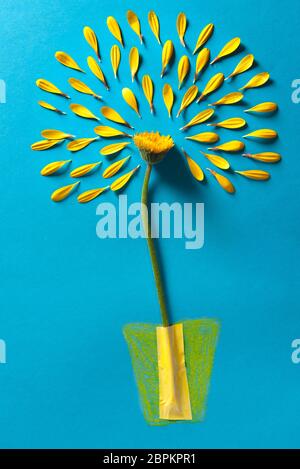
152	251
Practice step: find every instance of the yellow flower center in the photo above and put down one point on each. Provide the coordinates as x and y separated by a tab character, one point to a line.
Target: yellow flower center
153	142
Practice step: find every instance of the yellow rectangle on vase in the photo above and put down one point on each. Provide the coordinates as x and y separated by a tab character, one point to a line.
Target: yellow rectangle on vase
174	397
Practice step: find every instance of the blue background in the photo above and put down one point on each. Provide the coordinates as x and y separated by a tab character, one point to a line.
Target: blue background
65	294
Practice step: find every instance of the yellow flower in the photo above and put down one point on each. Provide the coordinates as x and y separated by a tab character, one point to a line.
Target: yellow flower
152	146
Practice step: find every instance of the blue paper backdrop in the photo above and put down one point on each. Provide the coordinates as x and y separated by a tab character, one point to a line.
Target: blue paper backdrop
65	294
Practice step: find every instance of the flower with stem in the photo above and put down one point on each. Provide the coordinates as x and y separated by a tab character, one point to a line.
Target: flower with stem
153	147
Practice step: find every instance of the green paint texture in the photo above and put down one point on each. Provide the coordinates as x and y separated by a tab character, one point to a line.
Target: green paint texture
200	340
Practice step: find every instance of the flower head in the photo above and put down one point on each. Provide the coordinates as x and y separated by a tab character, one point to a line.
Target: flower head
152	146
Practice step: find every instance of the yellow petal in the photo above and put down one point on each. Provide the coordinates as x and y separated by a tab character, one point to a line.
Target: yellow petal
130	99
168	97
201	117
230	98
113	148
64	192
154	24
232	146
263	107
134	23
106	132
232	123
147	85
194	167
204	36
201	62
52	134
123	180
96	70
114	28
204	137
115	57
67	60
258	80
134	61
217	161
52	168
183	69
82	87
265	157
92	40
114	116
242	66
82	111
212	85
114	168
50	107
84	170
91	194
263	133
80	143
181	25
228	49
167	54
255	174
46	85
45	145
188	98
223	181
